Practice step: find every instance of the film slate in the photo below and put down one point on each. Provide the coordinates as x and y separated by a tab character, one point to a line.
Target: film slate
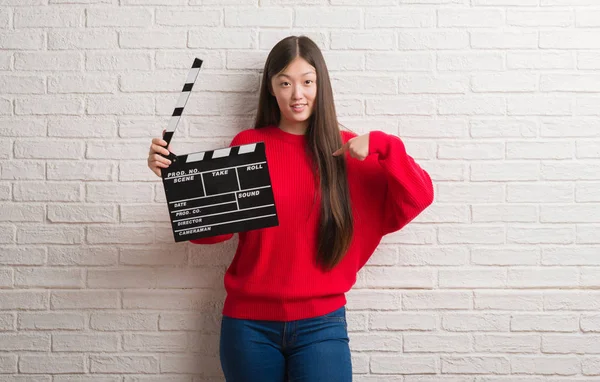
216	192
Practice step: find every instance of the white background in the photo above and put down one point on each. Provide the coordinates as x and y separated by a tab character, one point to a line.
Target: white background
498	99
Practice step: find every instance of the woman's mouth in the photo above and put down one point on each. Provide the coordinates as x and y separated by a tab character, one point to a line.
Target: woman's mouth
298	108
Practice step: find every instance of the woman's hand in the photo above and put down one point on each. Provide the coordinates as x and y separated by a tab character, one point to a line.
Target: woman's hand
156	161
358	147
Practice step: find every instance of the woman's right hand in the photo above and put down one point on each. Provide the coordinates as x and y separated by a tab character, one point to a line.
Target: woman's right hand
156	161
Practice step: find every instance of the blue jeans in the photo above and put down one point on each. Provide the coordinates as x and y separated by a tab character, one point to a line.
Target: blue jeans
310	350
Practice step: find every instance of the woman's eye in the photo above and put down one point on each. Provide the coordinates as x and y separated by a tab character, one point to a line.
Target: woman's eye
308	81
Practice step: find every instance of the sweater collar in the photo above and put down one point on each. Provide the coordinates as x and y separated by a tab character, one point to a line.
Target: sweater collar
288	137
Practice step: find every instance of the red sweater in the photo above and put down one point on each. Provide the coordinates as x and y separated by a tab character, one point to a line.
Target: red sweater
273	275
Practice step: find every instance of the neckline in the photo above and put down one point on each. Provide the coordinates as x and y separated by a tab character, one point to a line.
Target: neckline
288	137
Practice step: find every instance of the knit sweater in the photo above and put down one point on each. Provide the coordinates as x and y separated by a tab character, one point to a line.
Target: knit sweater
274	274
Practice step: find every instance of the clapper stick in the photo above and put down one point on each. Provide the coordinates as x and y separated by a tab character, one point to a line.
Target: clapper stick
219	191
181	102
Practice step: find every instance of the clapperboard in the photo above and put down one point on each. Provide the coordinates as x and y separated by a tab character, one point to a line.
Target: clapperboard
219	191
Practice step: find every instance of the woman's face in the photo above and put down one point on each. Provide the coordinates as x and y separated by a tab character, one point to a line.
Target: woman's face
295	89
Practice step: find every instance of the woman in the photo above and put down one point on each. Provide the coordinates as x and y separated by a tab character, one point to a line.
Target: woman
336	195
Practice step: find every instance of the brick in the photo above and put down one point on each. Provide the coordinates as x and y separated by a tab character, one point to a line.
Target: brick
22	84
117	17
49	105
21	299
569	82
545	365
363	40
22	255
119	234
330	17
119	105
495	82
117	61
435	39
539	18
121	321
6	107
587	192
586	105
588	234
454	234
470	150
568	213
134	171
22	40
436	84
190	321
568	255
48	278
6	278
51	321
470	192
41	364
555	277
222	38
570	343
539	192
401	105
34	149
504	40
25	342
504	213
7	321
51	61
401	364
71	40
475	322
508	300
91	256
544	323
47	192
428	343
7	234
54	234
569	39
136	127
22	127
507	343
16	212
163	342
86	170
540	235
196	364
121	193
121	278
5	59
86	83
391	61
469	62
426	256
528	105
384	277
436	300
489	18
82	213
570	170
375	341
444	214
84	299
539	60
103	342
399	18
471	105
85	127
111	150
474	365
572	300
47	17
539	150
471	278
363	84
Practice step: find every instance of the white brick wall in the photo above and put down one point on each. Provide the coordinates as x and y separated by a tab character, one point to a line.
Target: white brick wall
497	99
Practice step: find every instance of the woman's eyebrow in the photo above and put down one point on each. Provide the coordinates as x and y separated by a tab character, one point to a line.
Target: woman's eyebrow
285	75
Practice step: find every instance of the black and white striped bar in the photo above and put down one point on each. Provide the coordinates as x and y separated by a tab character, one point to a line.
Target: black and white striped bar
219	191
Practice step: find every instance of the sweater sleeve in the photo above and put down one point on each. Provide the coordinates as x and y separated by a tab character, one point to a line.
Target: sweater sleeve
409	187
219	238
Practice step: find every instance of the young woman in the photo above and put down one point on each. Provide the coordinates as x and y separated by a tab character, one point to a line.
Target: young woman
336	195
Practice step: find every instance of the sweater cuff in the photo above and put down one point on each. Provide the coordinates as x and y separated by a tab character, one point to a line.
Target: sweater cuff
378	142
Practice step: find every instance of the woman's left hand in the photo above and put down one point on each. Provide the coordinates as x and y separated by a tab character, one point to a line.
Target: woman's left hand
358	147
